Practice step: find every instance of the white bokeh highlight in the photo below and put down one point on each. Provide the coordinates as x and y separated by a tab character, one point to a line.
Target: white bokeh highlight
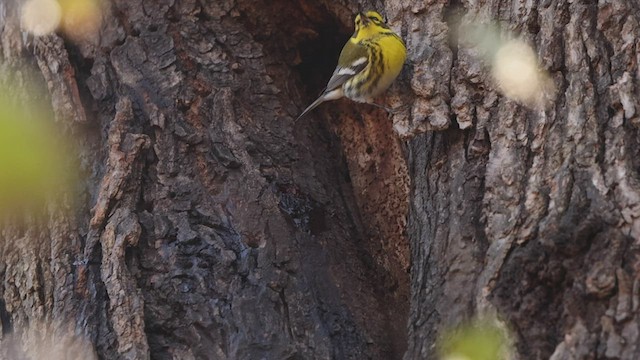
518	76
40	17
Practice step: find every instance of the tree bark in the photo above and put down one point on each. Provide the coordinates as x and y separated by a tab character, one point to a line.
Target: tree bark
529	214
210	225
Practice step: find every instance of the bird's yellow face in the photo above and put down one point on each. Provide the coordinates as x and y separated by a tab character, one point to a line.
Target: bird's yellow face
368	25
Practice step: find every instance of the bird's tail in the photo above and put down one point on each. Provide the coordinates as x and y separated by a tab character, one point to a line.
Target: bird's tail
313	105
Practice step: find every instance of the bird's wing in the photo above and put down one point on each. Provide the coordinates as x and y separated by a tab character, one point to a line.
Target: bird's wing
353	59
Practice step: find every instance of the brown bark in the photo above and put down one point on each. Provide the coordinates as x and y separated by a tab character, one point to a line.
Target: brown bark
210	225
531	214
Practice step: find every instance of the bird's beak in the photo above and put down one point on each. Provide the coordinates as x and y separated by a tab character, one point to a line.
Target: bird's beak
364	18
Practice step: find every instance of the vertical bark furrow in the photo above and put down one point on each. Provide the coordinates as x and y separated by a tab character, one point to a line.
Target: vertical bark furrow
559	188
222	229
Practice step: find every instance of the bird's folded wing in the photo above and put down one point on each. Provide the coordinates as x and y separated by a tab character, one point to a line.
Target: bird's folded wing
353	59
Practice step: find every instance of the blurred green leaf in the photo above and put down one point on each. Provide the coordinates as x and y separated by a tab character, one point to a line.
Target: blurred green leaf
33	160
478	340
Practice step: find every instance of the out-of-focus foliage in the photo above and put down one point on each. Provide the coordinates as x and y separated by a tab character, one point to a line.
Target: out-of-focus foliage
46	341
34	159
81	19
476	340
515	67
78	19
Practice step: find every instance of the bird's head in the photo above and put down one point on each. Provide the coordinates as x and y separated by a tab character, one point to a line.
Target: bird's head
369	24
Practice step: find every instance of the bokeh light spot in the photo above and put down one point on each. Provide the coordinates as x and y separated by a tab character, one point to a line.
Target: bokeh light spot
81	19
515	68
40	17
42	340
518	75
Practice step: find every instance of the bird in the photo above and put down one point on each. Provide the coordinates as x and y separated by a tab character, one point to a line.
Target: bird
369	62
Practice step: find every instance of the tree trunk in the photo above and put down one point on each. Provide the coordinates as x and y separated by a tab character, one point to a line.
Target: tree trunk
532	215
209	224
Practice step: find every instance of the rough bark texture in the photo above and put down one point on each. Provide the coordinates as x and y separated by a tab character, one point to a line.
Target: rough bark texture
531	214
210	225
